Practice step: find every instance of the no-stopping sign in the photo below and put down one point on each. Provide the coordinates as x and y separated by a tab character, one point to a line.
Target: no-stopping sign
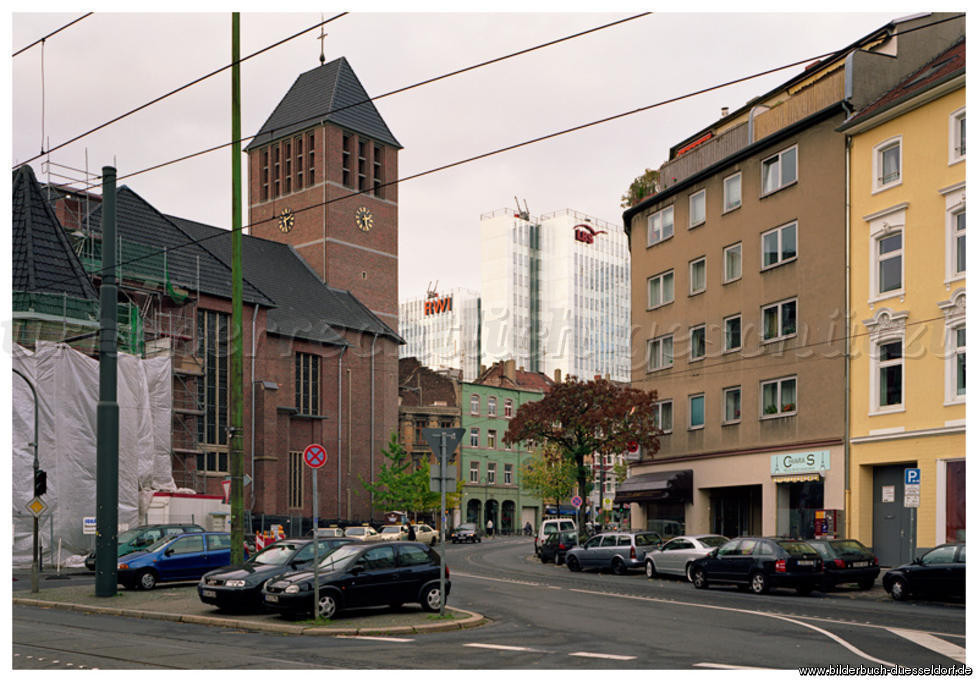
314	456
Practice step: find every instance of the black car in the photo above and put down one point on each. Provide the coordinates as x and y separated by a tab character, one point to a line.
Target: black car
758	564
141	537
847	561
467	532
555	547
239	587
361	574
939	573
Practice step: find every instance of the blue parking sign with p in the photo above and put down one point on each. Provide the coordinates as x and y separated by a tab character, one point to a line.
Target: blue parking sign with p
911	476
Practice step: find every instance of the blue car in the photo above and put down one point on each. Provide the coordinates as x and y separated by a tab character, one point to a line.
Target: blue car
180	557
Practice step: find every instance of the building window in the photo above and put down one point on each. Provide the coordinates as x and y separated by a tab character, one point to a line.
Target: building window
731	405
362	165
508	408
295	479
348	161
473	437
697	408
697	343
299	157
779	171
731	333
419	426
491	406
311	169
660	226
474	404
780	320
779	397
955	137
731	192
663	415
889	374
660	353
215	462
956	239
887	164
212	384
697	208
660	288
697	276
491	473
956	359
264	174
378	170
473	472
732	262
491	439
288	166
307	383
508	474
779	245
889	263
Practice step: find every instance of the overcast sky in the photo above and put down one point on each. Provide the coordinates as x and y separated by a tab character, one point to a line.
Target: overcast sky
110	63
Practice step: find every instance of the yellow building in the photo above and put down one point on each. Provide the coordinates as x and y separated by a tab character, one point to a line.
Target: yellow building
907	301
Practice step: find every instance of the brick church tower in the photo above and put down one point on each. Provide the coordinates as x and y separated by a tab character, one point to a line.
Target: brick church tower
316	174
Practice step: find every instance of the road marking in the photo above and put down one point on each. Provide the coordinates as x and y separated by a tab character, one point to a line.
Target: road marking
613	657
503	647
725	666
952	651
498	580
375	639
828	634
554	587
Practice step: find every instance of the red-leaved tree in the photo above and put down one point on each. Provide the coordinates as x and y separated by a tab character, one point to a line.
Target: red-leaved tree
585	417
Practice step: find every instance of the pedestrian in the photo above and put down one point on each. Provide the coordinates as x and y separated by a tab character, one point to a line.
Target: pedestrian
528	529
412	536
489	527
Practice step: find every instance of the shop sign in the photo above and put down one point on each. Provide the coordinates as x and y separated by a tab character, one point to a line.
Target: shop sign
799	462
585	233
434	306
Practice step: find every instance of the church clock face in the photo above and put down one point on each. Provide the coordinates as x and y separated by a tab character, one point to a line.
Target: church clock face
364	219
286	220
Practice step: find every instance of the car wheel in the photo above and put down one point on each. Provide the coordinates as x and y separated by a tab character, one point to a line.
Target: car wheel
898	590
618	566
758	583
431	599
146	580
543	559
699	578
689	572
573	564
804	590
866	584
327	606
649	569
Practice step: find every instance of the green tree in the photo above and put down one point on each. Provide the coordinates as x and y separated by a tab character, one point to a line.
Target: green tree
396	485
549	475
644	185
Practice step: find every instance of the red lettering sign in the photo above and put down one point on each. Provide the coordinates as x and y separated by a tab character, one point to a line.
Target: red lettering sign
585	233
435	306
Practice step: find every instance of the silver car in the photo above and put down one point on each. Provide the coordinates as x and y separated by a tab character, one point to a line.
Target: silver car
677	556
616	550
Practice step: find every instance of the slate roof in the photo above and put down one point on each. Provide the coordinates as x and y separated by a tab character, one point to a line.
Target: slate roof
138	222
306	308
945	66
331	92
533	381
43	260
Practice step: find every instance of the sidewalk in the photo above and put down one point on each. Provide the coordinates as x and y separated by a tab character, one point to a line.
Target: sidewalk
179	603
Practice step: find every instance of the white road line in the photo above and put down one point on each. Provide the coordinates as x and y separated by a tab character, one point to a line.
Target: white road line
375	639
503	647
498	580
613	657
725	666
952	651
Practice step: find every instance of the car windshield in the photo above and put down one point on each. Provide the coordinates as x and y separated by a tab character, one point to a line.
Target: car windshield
796	548
159	543
712	540
467	526
849	547
390	529
128	536
643	539
340	556
276	555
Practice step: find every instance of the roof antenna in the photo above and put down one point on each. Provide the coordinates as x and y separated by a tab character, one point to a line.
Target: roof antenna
523	213
322	40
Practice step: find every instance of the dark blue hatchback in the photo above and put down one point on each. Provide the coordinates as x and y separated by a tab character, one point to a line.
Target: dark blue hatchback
179	557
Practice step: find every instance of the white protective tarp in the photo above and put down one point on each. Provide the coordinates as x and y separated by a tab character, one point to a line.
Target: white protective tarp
67	386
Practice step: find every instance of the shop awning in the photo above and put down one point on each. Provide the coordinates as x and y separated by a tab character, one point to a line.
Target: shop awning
797	478
657	486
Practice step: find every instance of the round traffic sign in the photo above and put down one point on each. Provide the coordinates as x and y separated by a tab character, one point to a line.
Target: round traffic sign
314	455
576	501
633	447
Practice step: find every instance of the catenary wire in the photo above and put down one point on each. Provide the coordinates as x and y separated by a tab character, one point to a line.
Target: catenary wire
183	87
43	38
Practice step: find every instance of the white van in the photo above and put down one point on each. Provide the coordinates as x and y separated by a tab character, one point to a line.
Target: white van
549	526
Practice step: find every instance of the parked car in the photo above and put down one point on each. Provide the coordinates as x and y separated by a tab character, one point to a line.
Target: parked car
847	561
556	546
618	551
178	557
676	556
239	587
426	534
391	533
466	532
143	536
331	532
938	573
549	526
364	532
758	564
391	573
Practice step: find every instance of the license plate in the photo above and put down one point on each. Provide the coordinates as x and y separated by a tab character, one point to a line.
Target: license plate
271	597
208	593
805	562
860	564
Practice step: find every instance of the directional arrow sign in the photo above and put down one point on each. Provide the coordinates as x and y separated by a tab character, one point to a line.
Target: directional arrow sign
452	438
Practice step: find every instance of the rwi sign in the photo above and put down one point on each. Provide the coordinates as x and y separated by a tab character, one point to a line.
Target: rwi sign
585	233
434	306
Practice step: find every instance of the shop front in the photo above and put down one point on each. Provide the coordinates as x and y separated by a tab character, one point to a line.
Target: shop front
658	500
800	481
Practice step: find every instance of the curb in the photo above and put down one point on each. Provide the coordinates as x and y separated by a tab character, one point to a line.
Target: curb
471	620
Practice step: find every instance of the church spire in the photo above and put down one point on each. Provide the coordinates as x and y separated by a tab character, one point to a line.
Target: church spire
322	41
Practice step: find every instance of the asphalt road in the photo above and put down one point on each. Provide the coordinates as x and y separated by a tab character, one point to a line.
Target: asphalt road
541	617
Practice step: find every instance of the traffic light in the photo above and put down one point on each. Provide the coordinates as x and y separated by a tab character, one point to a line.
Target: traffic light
40	482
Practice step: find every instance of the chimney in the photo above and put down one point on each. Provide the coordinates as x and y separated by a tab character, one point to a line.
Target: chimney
724	111
509	369
557	376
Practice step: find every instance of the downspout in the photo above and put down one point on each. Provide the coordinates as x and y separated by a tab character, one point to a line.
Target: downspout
372	432
339	436
254	345
848	312
349	446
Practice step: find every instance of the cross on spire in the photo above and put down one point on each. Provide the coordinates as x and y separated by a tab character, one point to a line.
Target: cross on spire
322	42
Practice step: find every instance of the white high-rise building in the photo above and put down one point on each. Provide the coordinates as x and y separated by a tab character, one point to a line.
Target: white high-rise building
555	293
442	330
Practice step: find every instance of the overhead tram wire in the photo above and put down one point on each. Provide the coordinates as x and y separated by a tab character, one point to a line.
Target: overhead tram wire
59	30
180	89
392	92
